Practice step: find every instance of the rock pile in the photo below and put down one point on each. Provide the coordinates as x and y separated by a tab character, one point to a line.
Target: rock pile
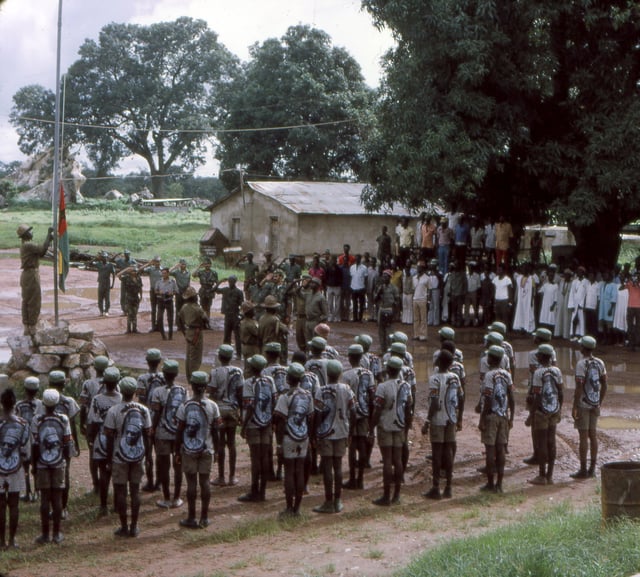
70	348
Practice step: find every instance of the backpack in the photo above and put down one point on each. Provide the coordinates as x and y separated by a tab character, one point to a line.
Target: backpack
177	395
499	397
309	382
155	380
403	398
195	433
591	387
263	402
11	435
451	400
549	401
131	446
234	378
316	367
328	412
296	425
362	392
279	376
50	437
100	444
374	364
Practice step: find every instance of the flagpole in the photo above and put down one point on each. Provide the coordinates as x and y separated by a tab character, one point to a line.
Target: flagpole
56	168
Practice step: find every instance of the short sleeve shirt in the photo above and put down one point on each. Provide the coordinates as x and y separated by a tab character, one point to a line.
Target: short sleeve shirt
494	389
386	397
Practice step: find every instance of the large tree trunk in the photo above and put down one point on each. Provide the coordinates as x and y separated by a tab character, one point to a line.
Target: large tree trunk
598	244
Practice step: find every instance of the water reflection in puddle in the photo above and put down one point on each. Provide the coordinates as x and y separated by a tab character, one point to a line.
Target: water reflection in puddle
619	423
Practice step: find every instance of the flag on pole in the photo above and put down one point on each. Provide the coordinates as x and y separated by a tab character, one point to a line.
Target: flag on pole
63	242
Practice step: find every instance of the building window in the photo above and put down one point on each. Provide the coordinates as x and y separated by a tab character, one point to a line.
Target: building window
235	229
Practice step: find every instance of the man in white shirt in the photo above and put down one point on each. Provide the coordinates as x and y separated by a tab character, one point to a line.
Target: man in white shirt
421	288
503	298
358	273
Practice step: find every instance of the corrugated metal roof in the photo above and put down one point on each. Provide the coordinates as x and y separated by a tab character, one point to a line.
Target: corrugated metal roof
341	198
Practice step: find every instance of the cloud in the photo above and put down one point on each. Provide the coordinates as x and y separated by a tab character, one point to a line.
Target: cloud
28	30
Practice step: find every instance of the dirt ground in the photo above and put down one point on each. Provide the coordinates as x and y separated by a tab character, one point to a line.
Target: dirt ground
245	540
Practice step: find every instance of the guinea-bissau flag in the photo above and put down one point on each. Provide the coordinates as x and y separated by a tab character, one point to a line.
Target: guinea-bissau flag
63	242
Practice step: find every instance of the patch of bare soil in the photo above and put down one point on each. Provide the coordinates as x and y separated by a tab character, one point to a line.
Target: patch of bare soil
364	540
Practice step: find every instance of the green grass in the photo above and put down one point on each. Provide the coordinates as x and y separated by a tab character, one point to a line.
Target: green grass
114	227
558	542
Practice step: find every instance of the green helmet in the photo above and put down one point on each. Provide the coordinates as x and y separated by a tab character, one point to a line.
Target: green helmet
272	348
199	378
111	375
100	363
546	349
355	349
128	385
399	337
394	363
318	343
296	370
57	378
588	342
257	362
334	368
225	351
170	367
398	348
154	355
496	352
495	338
447	333
32	383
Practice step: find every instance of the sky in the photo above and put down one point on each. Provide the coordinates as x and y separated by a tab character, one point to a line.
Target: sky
28	36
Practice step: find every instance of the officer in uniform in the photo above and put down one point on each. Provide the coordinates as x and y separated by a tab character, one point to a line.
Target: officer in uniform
317	309
198	422
388	300
232	299
127	427
250	272
123	262
155	274
271	328
193	321
208	278
249	332
131	287
30	255
166	288
106	279
183	278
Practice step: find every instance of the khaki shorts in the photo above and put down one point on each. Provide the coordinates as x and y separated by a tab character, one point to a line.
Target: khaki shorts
442	433
292	449
230	417
259	436
164	447
13	483
543	421
332	447
391	438
197	465
123	473
361	428
587	419
50	478
496	431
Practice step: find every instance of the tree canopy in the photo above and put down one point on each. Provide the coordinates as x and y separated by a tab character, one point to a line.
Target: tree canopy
153	91
526	108
302	82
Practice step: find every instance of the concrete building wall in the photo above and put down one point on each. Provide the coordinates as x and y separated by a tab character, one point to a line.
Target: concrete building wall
262	223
